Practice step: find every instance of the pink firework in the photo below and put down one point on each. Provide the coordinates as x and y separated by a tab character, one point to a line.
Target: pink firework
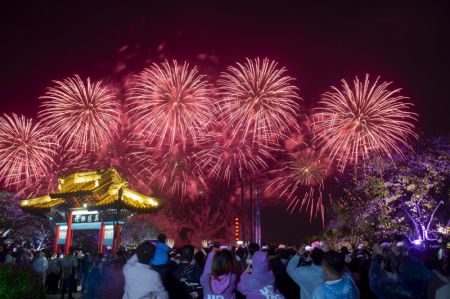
64	162
300	179
358	120
26	151
224	157
175	170
83	115
171	103
258	101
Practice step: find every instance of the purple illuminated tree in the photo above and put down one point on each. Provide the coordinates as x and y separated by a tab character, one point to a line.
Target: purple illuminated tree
408	192
19	227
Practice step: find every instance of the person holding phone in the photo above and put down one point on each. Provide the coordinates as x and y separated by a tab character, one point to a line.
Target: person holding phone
307	277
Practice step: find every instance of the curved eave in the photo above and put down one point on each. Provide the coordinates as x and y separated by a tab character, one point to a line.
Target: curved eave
129	207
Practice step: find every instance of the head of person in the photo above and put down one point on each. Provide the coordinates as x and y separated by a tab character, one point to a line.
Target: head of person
162	238
216	246
199	257
333	265
240	252
317	256
252	248
187	253
222	263
260	264
145	252
344	250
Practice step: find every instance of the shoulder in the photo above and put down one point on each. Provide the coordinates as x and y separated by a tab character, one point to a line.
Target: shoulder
319	292
152	273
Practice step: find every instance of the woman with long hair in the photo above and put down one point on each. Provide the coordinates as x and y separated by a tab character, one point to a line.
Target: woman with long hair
218	278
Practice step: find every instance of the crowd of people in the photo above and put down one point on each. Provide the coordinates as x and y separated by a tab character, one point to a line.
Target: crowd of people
388	269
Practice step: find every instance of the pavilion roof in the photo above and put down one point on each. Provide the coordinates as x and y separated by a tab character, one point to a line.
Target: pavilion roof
94	189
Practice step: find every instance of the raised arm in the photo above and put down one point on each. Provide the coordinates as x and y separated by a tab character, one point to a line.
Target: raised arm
207	269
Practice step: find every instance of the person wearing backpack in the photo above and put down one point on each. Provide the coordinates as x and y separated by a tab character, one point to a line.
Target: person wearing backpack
69	265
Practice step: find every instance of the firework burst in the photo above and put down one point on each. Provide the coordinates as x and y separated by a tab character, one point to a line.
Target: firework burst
26	150
301	180
64	162
258	101
225	157
83	115
175	170
358	120
171	103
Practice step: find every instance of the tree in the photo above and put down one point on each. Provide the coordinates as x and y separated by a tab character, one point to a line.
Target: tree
18	226
401	195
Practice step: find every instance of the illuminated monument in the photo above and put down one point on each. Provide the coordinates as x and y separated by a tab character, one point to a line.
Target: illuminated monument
90	200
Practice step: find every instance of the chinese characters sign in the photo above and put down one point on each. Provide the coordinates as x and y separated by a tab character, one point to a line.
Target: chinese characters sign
85	218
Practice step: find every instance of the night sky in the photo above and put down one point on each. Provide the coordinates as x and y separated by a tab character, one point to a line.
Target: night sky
319	44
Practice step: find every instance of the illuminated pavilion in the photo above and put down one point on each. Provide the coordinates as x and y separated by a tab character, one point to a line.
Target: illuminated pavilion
90	200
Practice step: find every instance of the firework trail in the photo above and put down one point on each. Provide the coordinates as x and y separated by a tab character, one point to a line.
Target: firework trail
175	170
355	121
171	103
224	157
304	173
64	162
83	115
258	101
26	150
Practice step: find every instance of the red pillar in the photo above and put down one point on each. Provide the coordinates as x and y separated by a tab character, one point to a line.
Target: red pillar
102	237
116	239
55	243
68	234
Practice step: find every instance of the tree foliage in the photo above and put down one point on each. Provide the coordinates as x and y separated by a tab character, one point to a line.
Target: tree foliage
404	195
17	226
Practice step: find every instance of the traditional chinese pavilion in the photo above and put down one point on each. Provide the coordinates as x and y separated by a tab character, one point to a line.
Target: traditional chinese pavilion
90	200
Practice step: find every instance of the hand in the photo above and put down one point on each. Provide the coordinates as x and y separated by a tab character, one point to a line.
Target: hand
170	242
205	243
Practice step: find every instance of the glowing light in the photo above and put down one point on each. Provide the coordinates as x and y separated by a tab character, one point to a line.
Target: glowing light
26	151
258	101
83	115
84	212
139	197
355	121
171	103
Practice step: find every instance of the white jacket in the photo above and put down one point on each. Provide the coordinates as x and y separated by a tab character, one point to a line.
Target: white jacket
141	282
307	277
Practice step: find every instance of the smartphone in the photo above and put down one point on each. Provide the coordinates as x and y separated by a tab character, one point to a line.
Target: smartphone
400	244
308	248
